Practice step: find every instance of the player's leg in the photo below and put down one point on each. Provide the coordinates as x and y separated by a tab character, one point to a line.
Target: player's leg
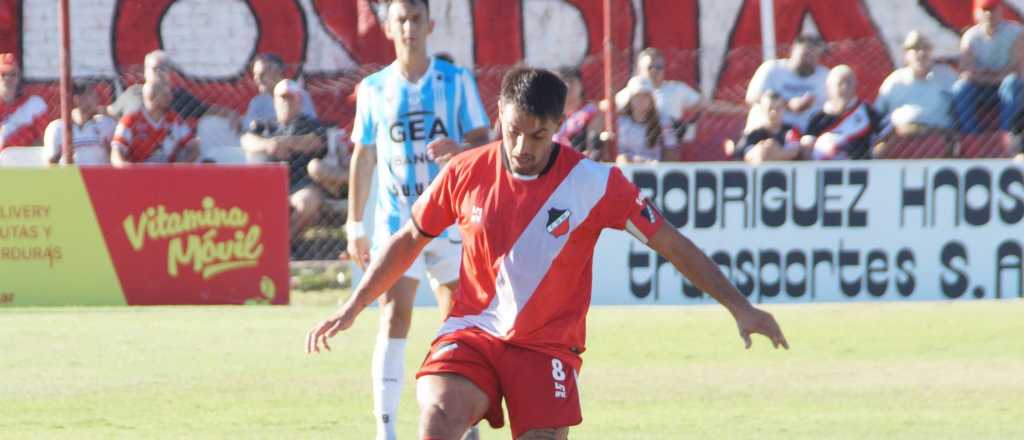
388	367
306	204
541	393
449	405
545	434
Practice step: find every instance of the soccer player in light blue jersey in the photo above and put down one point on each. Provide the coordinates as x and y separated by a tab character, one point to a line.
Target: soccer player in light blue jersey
411	118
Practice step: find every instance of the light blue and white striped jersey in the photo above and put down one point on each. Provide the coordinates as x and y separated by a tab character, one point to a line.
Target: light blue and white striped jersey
399	119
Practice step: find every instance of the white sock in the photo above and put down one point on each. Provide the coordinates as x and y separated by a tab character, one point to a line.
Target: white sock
388	373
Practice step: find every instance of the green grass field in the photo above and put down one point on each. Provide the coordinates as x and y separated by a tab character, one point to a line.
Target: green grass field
907	370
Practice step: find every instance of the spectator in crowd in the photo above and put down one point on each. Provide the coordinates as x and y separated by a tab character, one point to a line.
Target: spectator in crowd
989	65
776	140
583	122
267	70
158	68
296	139
675	99
845	126
22	116
643	134
154	134
91	131
799	79
917	98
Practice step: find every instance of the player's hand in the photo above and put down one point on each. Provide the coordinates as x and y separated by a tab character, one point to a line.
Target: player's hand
359	252
326	329
754	320
442	149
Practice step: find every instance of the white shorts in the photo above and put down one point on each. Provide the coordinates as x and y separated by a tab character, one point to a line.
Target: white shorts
439	261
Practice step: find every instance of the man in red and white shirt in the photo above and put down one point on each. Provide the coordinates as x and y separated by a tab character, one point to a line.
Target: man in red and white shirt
22	117
155	134
530	213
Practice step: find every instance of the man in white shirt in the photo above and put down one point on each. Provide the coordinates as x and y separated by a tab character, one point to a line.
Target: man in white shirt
91	130
268	69
988	69
917	98
799	79
674	99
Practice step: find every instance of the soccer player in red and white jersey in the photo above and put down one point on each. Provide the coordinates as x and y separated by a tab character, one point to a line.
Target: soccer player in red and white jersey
154	134
530	213
22	117
91	130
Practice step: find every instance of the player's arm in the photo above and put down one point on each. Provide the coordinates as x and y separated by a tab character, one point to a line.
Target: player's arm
395	258
360	175
689	260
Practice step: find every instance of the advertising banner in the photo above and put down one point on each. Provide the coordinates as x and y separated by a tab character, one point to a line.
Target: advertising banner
829	231
144	235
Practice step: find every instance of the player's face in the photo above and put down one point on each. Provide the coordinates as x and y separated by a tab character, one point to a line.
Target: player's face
408	24
652	68
156	98
265	75
527	139
9	82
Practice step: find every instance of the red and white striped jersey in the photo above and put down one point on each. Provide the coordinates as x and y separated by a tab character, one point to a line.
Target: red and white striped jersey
141	139
528	243
22	122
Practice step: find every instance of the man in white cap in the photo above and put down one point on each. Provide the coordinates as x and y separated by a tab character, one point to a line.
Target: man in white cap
296	139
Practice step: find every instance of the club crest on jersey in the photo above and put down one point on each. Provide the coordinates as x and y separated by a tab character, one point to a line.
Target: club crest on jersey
558	221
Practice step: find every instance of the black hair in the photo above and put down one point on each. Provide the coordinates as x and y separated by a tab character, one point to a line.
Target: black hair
426	3
807	40
535	91
269	58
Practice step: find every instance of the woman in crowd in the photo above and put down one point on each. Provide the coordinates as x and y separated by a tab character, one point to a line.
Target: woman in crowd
643	134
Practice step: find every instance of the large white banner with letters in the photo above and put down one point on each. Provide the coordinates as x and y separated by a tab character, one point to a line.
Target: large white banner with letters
838	231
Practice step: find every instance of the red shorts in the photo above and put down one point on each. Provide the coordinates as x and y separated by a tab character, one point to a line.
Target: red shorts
539	389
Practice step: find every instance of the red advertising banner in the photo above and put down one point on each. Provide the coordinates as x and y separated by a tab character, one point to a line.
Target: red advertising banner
170	235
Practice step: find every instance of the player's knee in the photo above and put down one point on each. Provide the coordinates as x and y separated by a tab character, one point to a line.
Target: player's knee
439	420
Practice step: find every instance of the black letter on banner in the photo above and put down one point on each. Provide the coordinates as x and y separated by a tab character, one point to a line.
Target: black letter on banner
978	177
734	179
819	256
773	217
640	259
801	216
745	269
848	258
675	180
795	289
1010	256
951	251
947	177
905	263
831	217
705	218
858	217
769	257
1011	215
877	288
913	196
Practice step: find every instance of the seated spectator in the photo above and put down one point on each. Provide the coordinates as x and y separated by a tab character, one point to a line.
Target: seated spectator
776	140
91	131
675	99
268	70
583	121
155	134
295	139
799	79
158	68
988	69
845	126
917	99
22	117
643	134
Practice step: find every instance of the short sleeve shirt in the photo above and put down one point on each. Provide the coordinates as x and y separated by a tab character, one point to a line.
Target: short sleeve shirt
298	176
